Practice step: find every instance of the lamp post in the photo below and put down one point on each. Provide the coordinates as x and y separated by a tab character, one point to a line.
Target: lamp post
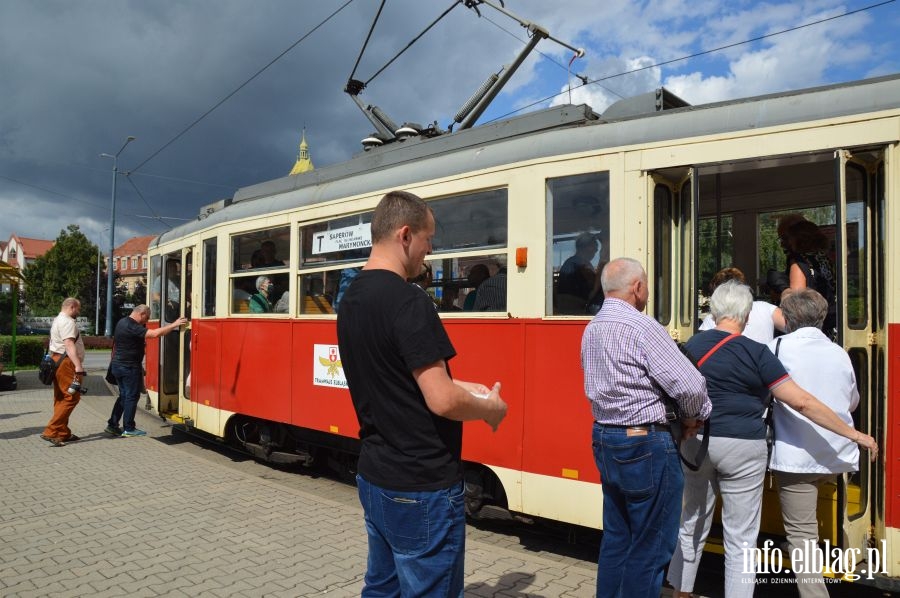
112	237
97	302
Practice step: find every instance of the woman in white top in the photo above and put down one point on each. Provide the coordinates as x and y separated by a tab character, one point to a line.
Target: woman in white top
805	455
764	317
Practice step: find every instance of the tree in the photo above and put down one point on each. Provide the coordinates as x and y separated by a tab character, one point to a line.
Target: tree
69	269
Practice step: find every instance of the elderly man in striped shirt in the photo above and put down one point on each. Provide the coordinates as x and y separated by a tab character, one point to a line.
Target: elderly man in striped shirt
630	366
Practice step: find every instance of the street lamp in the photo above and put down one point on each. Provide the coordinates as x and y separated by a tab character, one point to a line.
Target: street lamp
112	238
97	299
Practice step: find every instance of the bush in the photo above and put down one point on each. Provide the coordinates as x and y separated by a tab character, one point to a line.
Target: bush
97	342
29	349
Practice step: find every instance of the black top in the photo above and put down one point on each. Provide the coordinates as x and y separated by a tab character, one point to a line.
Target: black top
129	342
820	276
387	328
739	376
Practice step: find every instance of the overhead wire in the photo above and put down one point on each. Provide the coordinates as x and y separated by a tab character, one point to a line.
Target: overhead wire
144	199
240	87
695	55
546	56
414	40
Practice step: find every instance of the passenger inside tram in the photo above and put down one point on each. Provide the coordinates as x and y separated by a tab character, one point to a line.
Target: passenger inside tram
578	287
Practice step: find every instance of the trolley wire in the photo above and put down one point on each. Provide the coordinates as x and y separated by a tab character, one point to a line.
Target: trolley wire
241	86
695	55
144	199
414	40
72	198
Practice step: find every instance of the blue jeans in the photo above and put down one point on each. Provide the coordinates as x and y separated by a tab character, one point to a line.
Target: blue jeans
128	379
417	541
642	482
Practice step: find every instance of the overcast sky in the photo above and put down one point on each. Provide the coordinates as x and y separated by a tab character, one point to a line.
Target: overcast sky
79	76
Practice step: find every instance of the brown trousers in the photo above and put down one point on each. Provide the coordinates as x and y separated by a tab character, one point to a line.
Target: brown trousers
63	402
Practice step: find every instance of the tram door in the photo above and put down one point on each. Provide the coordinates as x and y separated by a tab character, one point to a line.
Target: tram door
186	407
672	269
175	347
859	198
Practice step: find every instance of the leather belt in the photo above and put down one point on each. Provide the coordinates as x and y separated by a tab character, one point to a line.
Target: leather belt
645	427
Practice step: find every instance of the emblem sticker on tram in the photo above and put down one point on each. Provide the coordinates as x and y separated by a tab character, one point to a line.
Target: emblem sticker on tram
327	368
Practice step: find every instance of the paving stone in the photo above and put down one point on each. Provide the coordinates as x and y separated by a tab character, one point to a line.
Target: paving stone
108	517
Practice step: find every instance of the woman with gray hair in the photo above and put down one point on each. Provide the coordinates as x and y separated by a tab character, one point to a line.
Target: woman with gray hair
260	302
806	455
740	373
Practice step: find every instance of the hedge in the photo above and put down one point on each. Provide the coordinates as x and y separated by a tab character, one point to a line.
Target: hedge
29	350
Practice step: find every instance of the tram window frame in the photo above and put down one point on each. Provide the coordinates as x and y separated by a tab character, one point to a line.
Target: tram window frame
716	247
242	254
664	219
857	268
456	216
210	261
566	221
153	273
244	274
859	360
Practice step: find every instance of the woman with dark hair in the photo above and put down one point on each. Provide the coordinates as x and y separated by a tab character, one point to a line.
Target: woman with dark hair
810	268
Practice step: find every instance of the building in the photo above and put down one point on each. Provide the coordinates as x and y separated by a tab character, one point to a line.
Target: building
21	251
304	162
130	262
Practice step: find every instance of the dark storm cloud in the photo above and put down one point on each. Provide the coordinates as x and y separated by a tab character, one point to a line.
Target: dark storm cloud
78	77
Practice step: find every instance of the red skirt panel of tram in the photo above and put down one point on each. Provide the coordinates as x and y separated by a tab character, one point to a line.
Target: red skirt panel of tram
267	369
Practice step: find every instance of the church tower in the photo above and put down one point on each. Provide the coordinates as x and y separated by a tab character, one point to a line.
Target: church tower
304	164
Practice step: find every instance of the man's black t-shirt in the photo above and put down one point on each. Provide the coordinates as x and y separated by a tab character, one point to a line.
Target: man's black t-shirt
129	339
387	328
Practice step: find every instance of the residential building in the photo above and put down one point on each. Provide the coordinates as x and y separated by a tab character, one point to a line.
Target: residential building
21	251
130	262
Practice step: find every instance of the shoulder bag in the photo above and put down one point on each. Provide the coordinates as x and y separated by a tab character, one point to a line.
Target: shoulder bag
674	417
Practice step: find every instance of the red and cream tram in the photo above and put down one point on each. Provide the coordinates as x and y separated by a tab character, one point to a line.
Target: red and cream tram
684	189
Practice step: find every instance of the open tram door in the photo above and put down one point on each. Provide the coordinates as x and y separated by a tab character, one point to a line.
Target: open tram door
859	247
175	349
672	269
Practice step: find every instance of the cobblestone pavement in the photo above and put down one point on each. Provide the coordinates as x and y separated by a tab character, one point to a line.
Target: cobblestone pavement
137	517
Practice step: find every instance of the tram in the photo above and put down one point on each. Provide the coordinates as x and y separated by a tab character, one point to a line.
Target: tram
684	189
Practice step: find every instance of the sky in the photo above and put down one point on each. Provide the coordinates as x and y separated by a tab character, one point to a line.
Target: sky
78	77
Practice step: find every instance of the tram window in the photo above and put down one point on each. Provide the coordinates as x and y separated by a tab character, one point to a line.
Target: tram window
716	243
772	258
341	240
578	223
857	273
155	266
857	482
474	283
317	292
472	221
246	298
209	277
687	251
268	248
168	294
662	298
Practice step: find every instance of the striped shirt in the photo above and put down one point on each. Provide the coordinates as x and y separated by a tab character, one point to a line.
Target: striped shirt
630	363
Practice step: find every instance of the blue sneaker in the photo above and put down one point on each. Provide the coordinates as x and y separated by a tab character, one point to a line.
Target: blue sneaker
135	432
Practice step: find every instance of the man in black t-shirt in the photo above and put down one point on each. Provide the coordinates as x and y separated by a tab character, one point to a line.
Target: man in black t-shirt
395	351
126	365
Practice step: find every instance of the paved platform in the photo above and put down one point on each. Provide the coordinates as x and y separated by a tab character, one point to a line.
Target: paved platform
138	517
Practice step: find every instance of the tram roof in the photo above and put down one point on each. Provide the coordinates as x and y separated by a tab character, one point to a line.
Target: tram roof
555	131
